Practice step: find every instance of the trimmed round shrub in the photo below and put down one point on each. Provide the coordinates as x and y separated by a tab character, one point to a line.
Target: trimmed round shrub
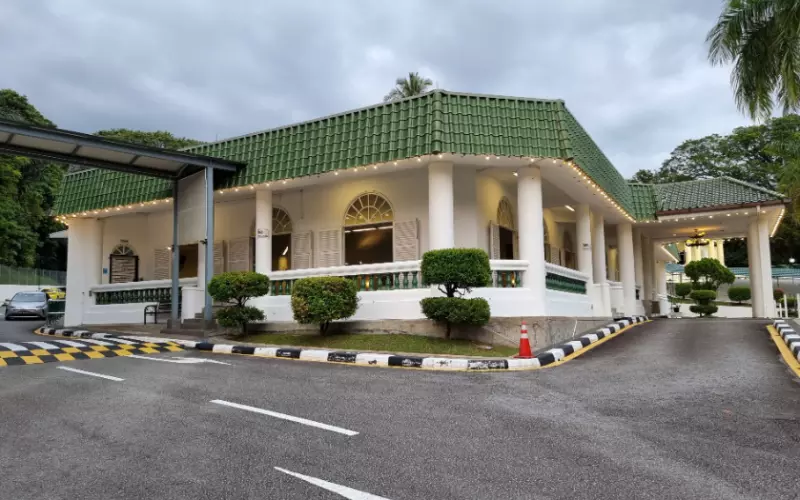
321	300
683	289
708	274
778	294
456	269
455	310
703	297
703	309
739	293
238	287
235	316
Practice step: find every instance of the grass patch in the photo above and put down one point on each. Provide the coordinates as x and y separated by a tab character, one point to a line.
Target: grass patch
393	343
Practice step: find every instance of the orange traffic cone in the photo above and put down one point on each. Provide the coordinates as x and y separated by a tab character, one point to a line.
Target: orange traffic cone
524	343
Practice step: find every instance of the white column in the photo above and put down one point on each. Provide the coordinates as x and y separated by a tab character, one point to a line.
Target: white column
440	206
721	251
661	286
704	252
201	266
753	261
637	256
627	270
583	230
603	300
531	233
84	267
765	257
647	284
613	261
263	231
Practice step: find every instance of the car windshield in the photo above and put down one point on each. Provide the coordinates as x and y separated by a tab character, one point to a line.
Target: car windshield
29	297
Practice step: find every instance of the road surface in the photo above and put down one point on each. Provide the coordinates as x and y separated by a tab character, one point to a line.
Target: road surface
672	409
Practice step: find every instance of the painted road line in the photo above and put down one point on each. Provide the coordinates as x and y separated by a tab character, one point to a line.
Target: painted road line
45	346
91	374
344	491
290	418
179	361
13	347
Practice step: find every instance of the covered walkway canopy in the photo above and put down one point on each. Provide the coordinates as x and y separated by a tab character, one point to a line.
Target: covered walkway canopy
76	148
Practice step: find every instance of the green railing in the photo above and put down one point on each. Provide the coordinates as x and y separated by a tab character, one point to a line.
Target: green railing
507	279
365	282
55	311
564	284
136	296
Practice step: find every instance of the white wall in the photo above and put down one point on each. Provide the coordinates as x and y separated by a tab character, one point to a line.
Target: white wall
465	209
8	291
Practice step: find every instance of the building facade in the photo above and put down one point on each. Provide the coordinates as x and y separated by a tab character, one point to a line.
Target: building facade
365	193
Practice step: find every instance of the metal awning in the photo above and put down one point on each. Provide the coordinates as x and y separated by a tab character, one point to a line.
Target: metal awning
66	146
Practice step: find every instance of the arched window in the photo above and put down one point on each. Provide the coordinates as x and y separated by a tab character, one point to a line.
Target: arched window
368	230
281	240
506	235
123	264
505	214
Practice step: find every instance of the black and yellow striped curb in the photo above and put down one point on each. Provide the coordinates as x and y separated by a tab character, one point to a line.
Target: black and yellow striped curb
551	357
787	341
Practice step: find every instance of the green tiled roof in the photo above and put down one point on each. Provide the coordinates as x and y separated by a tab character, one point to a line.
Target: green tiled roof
650	199
436	122
722	191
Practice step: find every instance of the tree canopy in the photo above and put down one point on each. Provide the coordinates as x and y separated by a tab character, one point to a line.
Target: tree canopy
766	155
408	87
762	40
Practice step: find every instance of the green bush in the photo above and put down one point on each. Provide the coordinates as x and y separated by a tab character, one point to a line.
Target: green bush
708	274
703	297
791	302
235	288
455	310
235	316
456	271
704	309
739	293
778	294
683	289
321	300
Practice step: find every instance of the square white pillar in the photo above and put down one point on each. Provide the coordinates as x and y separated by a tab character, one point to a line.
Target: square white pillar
531	234
627	269
263	231
602	305
754	264
648	263
765	258
84	267
638	265
440	206
583	230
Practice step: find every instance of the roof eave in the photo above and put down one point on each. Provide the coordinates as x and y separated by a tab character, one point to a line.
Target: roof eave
733	206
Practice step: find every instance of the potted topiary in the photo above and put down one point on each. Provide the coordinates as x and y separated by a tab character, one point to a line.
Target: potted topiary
456	271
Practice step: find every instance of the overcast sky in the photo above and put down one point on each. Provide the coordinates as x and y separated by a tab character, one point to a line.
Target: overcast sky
633	72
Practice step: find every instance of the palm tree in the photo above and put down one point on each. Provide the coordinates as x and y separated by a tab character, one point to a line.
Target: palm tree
762	40
407	87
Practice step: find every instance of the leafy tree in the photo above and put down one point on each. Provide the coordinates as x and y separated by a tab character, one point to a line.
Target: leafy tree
324	299
456	271
156	139
408	87
236	288
762	40
708	274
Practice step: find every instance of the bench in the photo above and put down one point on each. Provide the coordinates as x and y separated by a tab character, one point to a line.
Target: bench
155	309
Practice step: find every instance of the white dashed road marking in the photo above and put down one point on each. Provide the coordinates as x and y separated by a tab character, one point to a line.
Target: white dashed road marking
91	374
344	491
180	361
290	418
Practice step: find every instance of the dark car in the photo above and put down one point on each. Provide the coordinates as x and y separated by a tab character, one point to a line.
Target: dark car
27	305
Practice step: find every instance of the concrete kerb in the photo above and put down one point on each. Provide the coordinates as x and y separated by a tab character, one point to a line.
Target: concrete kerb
792	340
551	357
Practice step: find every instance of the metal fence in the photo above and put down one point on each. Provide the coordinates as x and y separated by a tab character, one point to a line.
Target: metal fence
30	276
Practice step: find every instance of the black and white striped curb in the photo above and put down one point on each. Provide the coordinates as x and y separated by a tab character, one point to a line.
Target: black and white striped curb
387	360
789	335
86	334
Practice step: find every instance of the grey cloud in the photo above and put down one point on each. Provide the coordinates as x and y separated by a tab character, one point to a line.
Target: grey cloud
634	73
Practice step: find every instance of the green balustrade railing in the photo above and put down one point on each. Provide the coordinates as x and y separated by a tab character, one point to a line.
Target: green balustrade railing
507	279
564	283
134	296
367	282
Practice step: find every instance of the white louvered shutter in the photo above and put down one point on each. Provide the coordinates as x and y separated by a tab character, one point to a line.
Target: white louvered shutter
301	250
494	241
161	264
219	257
330	248
406	240
239	258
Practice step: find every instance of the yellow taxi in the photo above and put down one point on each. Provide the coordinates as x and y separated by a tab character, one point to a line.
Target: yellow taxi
55	293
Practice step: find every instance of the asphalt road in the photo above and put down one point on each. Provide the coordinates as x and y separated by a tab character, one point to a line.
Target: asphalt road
673	409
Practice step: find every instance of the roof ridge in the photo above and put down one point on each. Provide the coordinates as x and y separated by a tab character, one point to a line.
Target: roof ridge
752	186
373	106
